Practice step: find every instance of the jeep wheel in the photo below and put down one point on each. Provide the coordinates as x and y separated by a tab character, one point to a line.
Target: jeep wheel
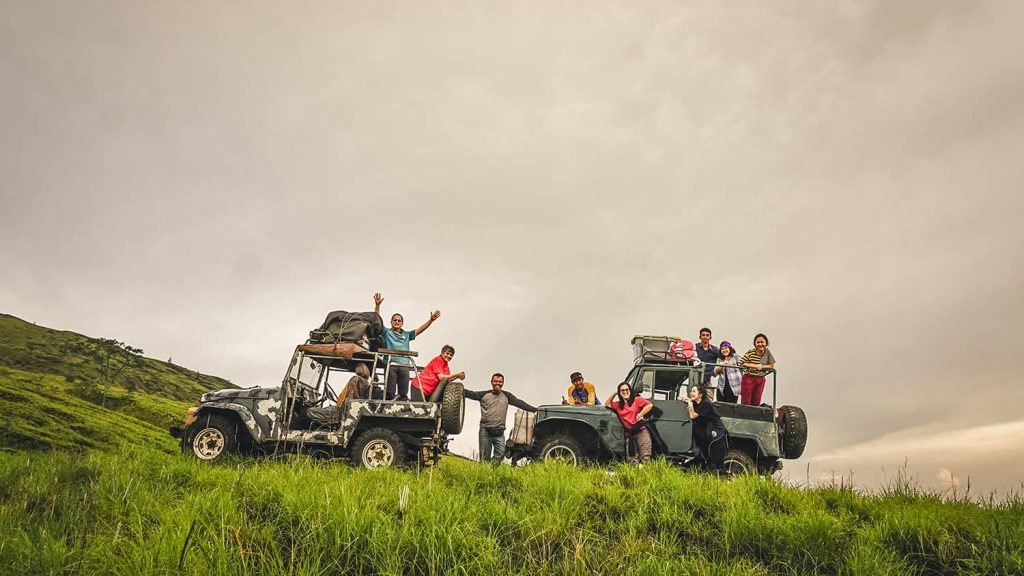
562	448
453	408
213	438
378	448
738	462
792	431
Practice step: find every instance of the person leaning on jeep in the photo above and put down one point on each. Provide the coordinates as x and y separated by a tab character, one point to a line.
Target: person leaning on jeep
493	411
437	371
580	392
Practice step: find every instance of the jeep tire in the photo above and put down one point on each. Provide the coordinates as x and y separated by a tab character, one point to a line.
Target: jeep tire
378	448
561	448
792	431
738	462
212	437
453	408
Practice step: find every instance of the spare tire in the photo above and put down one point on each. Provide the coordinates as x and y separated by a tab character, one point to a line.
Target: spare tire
792	431
453	408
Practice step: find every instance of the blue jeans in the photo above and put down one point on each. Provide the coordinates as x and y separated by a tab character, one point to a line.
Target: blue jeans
491	447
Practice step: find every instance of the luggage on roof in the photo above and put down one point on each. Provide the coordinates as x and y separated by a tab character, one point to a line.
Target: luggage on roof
663	348
363	328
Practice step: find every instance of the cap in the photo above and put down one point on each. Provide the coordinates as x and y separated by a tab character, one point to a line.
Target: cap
575	376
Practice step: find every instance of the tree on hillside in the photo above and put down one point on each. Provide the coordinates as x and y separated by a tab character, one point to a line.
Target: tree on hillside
112	357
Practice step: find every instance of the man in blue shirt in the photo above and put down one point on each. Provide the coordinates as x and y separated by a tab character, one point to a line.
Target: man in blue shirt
396	338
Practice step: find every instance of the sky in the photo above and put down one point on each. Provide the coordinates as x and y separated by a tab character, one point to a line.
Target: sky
207	180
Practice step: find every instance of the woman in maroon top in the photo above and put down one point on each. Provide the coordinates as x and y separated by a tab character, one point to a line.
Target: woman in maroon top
632	410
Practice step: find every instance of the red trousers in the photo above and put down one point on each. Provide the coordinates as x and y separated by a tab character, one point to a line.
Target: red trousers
751	388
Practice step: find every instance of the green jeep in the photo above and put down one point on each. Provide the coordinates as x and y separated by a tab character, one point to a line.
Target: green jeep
759	436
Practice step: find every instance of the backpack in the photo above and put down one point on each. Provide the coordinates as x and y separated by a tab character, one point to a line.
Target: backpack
682	350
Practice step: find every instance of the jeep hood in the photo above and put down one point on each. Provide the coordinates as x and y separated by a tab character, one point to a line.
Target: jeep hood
236	393
563	410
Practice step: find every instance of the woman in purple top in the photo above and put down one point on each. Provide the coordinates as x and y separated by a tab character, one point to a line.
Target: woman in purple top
729	376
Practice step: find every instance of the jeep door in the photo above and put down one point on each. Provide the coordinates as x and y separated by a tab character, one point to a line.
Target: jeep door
662	386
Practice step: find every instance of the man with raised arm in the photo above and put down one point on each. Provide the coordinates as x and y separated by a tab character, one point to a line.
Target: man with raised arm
396	338
493	411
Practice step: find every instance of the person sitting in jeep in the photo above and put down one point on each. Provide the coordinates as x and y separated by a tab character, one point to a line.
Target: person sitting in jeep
358	386
437	371
581	392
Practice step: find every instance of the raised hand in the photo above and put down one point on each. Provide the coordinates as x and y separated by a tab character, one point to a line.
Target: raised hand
377	298
435	315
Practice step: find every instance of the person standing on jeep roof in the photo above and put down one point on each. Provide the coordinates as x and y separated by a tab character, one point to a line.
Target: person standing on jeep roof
708	354
436	372
493	411
398	339
756	363
632	411
580	393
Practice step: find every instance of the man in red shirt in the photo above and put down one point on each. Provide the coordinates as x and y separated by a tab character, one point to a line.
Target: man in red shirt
437	371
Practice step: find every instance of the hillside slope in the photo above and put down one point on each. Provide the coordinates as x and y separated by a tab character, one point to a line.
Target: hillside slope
31	348
53	394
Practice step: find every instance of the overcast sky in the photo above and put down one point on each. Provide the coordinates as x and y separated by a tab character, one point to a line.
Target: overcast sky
207	180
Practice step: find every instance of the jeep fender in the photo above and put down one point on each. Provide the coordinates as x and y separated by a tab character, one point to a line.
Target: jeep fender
762	441
243	413
581	430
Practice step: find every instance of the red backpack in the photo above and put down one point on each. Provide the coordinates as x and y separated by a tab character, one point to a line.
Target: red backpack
681	350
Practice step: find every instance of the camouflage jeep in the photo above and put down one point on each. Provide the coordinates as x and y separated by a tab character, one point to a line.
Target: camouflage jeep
302	415
759	436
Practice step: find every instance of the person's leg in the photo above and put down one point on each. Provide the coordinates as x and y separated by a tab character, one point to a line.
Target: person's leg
726	395
416	395
643	445
485	445
391	390
756	390
403	382
746	386
499	448
630	448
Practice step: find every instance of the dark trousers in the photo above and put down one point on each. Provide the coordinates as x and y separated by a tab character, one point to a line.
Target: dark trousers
398	383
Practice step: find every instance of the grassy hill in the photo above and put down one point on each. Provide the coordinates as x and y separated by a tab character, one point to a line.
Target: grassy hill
30	348
53	394
94	485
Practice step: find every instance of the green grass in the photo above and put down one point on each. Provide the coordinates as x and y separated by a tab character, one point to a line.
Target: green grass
42	412
95	485
130	511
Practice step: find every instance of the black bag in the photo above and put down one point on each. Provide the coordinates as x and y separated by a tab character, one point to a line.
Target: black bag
365	328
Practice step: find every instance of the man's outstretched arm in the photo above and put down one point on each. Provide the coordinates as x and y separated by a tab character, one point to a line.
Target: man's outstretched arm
519	403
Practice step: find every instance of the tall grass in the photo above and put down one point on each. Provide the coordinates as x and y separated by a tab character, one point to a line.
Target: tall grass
142	511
